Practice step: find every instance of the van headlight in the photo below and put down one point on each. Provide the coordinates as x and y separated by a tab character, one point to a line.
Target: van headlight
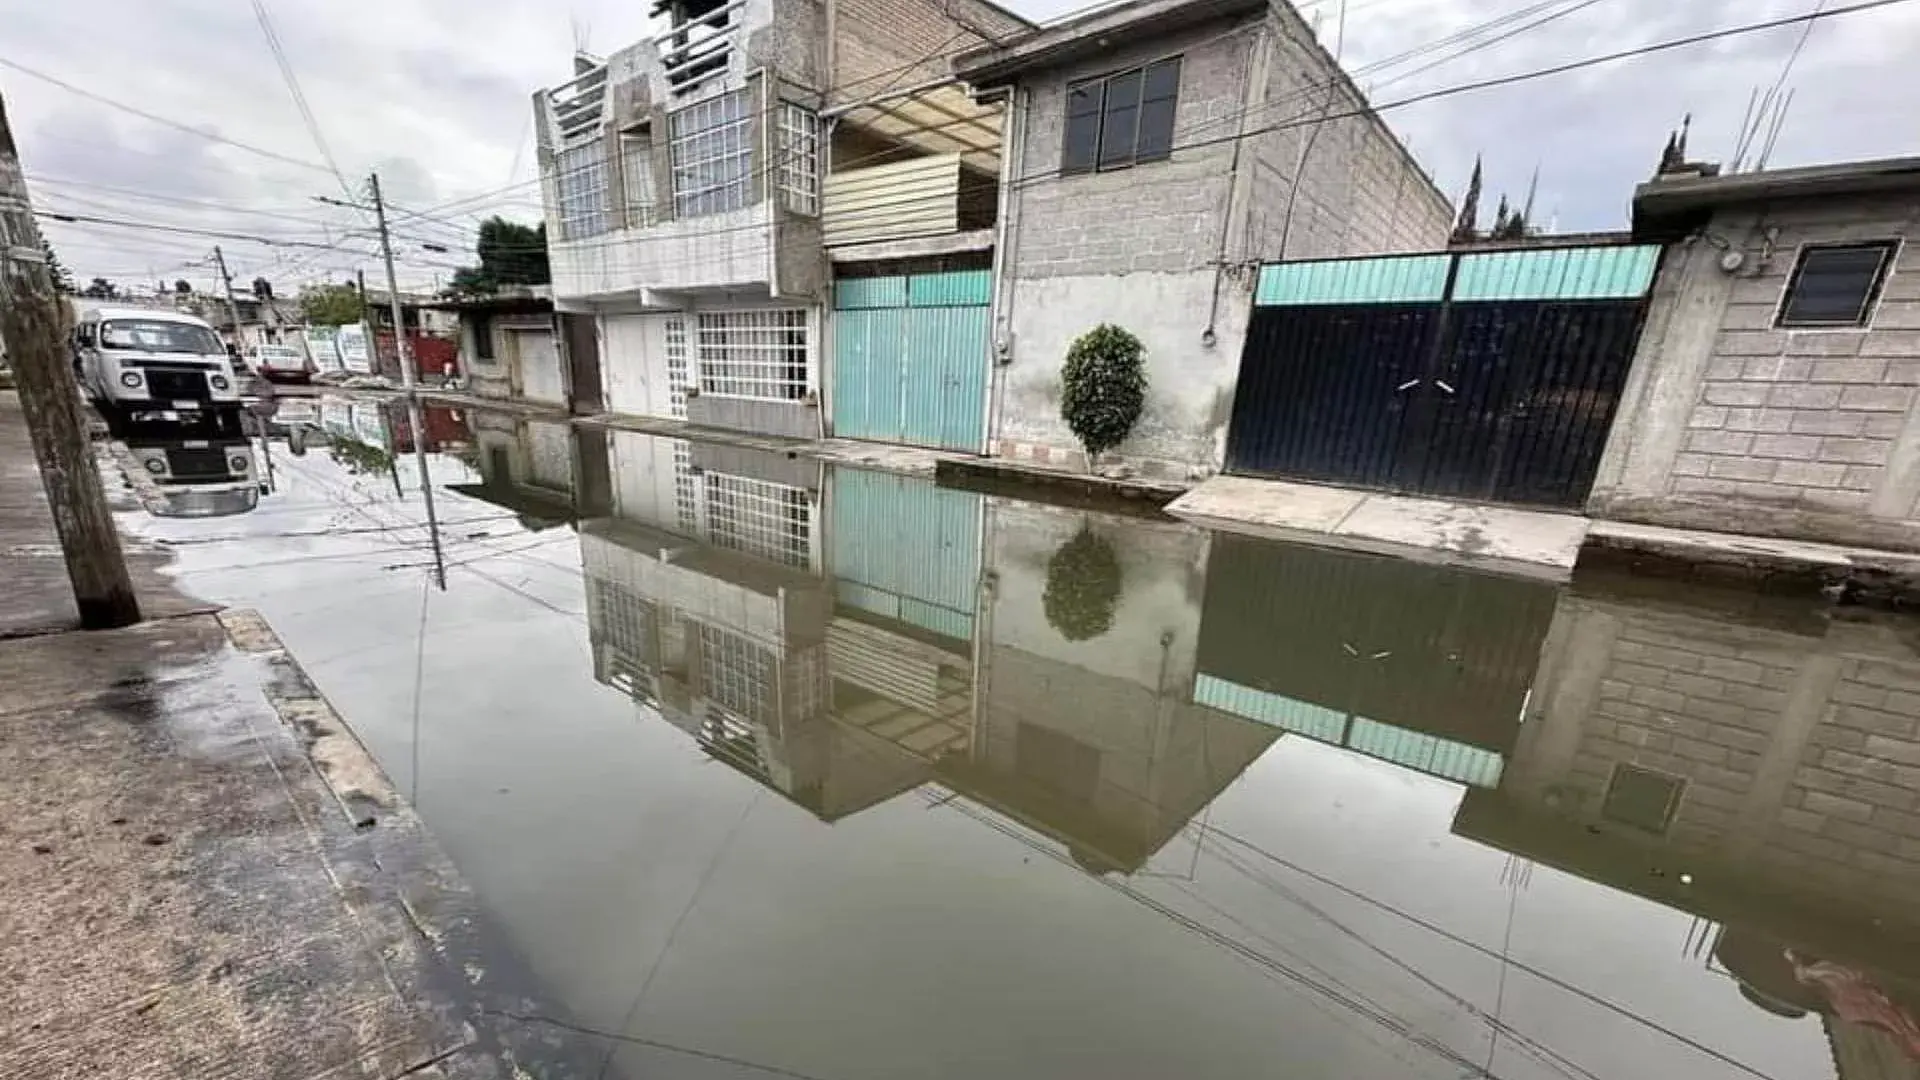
238	463
156	466
219	382
130	379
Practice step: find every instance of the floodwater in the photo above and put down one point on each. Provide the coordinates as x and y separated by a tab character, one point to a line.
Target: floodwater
774	769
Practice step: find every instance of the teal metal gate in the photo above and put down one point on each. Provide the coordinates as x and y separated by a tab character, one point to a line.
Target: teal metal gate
906	549
910	359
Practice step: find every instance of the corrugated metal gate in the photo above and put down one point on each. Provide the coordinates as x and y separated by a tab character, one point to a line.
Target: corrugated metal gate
1419	665
1490	375
906	549
910	359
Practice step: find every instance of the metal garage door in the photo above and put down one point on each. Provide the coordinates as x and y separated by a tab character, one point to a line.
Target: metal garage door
910	359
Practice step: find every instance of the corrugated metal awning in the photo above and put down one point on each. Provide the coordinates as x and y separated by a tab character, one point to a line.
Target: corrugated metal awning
938	118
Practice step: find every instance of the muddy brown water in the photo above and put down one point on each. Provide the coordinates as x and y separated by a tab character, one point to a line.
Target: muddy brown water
777	769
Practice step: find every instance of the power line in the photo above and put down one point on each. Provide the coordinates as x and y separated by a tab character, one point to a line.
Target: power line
161	120
1526	76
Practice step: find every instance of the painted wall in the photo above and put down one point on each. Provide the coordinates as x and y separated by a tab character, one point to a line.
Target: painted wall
1167	249
1728	422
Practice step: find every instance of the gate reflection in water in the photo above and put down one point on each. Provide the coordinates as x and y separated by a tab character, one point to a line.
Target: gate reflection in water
1044	792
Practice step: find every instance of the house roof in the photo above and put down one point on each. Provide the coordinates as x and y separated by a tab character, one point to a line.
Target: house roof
1092	34
505	298
1668	206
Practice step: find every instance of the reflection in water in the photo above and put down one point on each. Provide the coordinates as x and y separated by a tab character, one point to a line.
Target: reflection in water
847	639
1289	811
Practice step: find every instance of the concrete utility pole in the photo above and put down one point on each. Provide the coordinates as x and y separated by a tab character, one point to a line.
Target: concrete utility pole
30	324
405	353
226	281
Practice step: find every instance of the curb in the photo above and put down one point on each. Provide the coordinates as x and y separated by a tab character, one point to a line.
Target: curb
399	882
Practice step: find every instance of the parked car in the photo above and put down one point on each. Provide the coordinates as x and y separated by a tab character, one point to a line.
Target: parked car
279	363
133	357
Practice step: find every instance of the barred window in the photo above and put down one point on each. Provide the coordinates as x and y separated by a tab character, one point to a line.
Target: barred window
711	145
636	168
760	518
753	354
737	673
678	377
686	492
580	183
799	159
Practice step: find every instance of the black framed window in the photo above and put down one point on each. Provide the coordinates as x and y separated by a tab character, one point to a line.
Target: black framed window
1121	119
1836	285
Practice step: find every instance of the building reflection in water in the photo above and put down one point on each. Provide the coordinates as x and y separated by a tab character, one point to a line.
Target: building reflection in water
846	637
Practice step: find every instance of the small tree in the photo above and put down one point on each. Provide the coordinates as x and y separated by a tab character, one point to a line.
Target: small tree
330	305
1083	585
1104	388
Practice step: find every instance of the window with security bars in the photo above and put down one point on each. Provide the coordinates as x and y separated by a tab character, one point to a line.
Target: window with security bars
686	490
625	622
1836	285
711	147
736	673
580	188
772	521
752	354
678	375
799	159
636	172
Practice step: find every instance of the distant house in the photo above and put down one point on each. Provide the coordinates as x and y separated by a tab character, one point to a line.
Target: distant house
508	348
1774	386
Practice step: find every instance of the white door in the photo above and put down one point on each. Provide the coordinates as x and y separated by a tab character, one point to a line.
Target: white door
540	367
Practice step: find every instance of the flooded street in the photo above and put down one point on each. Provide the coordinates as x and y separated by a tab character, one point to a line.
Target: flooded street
769	768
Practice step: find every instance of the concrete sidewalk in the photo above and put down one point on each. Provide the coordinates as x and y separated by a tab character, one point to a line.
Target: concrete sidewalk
205	875
37	598
1527	542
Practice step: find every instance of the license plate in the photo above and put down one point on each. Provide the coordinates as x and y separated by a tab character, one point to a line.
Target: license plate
196	444
188	406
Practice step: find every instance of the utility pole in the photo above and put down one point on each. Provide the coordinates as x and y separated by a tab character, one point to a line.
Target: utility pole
405	353
30	325
226	280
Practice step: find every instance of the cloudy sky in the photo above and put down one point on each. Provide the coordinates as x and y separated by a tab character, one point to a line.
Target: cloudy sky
435	95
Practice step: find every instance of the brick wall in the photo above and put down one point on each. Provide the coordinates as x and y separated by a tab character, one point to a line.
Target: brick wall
1798	753
888	44
1787	432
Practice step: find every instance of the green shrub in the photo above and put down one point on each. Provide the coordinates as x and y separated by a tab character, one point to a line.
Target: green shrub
1083	586
1104	388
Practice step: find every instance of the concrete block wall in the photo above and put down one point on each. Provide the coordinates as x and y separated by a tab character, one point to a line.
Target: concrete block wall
1168	249
1799	752
1729	422
888	44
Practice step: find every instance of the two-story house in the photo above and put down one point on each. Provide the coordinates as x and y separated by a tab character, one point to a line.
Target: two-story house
1156	152
683	181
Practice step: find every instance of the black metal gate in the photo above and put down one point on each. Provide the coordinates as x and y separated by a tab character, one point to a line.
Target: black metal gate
1484	376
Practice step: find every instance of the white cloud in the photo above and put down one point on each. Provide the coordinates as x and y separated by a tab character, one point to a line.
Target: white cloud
435	94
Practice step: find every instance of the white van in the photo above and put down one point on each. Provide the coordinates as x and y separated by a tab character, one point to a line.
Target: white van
278	363
159	359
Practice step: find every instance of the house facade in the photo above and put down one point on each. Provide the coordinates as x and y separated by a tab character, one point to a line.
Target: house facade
1156	152
508	349
683	182
1774	387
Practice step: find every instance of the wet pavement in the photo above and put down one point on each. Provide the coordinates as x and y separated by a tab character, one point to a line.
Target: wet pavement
769	767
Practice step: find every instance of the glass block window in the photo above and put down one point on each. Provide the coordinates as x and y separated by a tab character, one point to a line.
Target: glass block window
580	186
772	521
636	170
678	375
711	145
799	159
736	673
753	354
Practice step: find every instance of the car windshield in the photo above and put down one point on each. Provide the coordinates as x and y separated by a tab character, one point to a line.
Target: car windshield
157	335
